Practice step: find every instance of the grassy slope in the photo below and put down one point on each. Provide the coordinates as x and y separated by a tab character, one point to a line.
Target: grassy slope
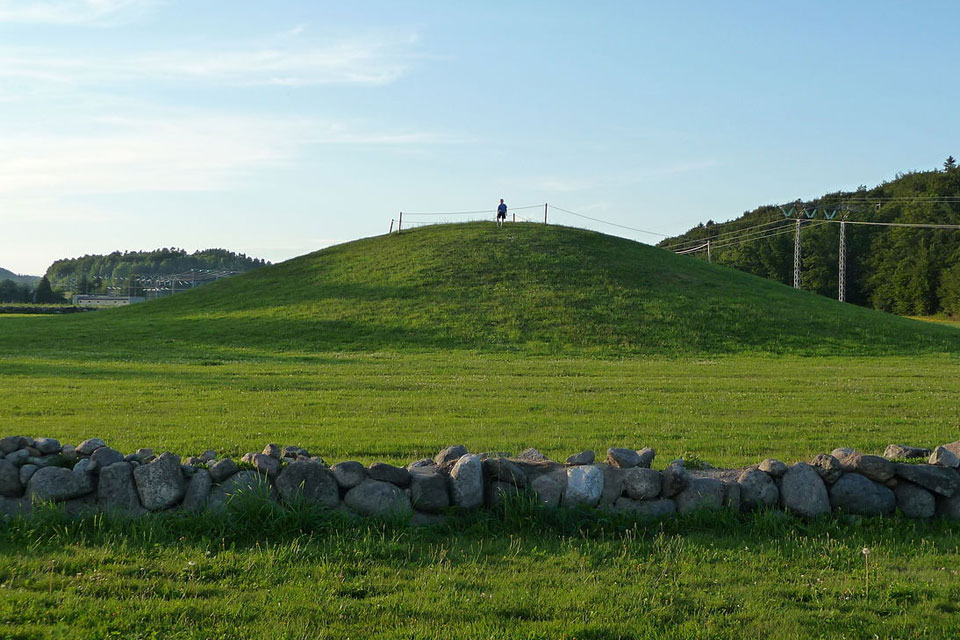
527	288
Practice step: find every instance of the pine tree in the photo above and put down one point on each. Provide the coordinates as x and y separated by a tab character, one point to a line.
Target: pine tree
950	163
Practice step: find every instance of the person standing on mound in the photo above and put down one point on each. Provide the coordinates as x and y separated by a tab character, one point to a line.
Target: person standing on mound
501	213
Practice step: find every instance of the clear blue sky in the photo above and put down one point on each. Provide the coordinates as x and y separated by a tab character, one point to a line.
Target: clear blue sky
276	128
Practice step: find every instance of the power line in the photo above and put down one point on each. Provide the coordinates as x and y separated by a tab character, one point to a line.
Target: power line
612	224
725	233
465	213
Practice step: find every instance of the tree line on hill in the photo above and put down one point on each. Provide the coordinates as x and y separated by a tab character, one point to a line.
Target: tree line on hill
903	270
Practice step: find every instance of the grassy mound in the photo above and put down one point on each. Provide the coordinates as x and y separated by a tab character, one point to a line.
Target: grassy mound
526	288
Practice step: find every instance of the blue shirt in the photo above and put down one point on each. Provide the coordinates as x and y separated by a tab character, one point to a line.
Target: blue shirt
502	208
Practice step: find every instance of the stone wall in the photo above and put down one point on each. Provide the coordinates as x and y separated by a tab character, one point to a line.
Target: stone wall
91	477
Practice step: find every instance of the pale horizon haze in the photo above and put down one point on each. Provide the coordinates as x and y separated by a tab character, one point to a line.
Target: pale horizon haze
275	129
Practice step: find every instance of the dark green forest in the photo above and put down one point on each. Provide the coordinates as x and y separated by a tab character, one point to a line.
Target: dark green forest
903	270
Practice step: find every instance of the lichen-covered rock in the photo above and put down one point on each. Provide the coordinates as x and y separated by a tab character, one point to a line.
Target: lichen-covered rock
757	489
661	508
904	452
272	450
47	445
914	501
117	490
828	467
222	469
532	455
953	447
701	493
58	484
940	480
623	458
584	486
198	491
842	452
803	492
428	490
641	483
466	482
378	498
349	473
944	457
873	467
504	470
10	480
88	446
548	489
103	457
160	483
584	457
674	479
646	457
310	482
773	467
857	494
450	454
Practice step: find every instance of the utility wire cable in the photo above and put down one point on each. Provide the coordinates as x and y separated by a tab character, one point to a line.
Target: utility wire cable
612	224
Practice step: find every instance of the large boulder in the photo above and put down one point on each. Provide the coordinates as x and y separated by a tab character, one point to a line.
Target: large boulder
265	464
349	473
103	457
532	455
241	484
940	480
450	454
504	470
383	472
10	480
428	490
584	486
701	493
873	467
198	491
914	501
641	483
949	507
47	445
944	457
623	458
58	484
310	482
223	469
773	467
646	457
584	457
757	489
612	484
828	467
548	488
904	452
802	491
855	493
466	482
378	498
674	480
160	483
88	446
495	492
117	491
953	447
662	508
10	444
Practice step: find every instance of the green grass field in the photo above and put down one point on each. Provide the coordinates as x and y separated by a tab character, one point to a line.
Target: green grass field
390	348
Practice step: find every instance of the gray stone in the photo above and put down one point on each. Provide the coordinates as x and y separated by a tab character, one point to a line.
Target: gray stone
953	447
103	457
504	470
646	457
47	445
383	472
940	480
222	469
914	501
773	467
198	491
828	467
662	508
757	490
18	457
267	465
701	493
466	482
842	452
81	507
732	498
160	483
240	485
496	491
873	467
548	488
532	455
58	484
12	507
675	479
420	464
450	454
144	453
584	457
117	490
52	460
84	466
209	455
310	482
378	498
949	507
428	491
422	519
623	458
191	461
10	479
88	446
944	457
903	452
349	473
612	484
294	452
641	483
272	451
803	492
69	452
584	486
855	493
26	472
11	443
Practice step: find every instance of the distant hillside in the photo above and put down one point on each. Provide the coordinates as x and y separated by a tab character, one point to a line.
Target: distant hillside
30	281
907	271
526	288
97	272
